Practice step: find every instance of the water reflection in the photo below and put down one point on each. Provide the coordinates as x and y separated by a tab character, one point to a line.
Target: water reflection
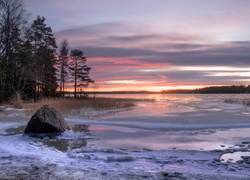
166	105
163	105
182	97
106	136
156	97
69	140
14	131
65	144
75	138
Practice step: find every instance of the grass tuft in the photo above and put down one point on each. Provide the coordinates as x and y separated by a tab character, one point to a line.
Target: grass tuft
245	102
16	101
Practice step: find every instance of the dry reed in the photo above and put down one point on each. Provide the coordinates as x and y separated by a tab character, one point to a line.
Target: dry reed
245	102
73	107
16	101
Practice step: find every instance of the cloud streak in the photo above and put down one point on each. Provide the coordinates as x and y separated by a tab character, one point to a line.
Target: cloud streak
143	44
130	58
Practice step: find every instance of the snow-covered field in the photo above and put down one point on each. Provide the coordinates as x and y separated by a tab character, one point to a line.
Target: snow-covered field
173	137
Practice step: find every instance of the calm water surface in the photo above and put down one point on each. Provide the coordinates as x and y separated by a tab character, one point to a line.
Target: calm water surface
182	105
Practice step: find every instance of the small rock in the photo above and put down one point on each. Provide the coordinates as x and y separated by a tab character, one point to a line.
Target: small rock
104	173
246	158
35	168
230	150
231	169
125	158
120	158
110	151
86	156
240	145
147	149
247	162
111	158
6	157
72	156
174	175
165	174
123	149
245	142
179	161
240	161
216	160
217	150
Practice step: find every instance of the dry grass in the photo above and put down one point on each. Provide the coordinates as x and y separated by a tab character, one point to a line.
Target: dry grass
245	102
16	101
73	107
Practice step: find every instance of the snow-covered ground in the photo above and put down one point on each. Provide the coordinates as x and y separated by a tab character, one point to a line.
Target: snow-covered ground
173	137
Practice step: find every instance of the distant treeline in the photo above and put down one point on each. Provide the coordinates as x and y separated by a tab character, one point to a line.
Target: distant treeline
208	90
213	89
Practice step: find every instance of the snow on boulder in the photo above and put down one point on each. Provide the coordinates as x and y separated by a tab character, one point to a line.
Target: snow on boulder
46	120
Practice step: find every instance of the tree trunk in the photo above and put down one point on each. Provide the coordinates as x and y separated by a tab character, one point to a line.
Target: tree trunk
75	79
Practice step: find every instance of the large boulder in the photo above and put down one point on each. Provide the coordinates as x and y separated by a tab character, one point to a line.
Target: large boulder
46	120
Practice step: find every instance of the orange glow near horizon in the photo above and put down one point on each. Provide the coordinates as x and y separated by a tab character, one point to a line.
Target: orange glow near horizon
136	88
122	74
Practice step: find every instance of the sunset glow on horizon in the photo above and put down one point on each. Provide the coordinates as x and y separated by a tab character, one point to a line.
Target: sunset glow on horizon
155	45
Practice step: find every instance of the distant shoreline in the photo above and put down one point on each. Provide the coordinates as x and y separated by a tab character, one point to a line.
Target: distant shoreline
118	92
234	89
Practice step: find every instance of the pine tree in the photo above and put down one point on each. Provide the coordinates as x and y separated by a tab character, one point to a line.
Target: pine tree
79	71
27	57
43	45
25	71
63	65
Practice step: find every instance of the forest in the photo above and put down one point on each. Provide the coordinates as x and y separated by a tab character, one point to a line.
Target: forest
213	89
31	63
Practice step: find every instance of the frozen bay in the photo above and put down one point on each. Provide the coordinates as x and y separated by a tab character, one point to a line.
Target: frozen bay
174	136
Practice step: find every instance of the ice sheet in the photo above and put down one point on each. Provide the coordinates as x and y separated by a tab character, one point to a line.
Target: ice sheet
176	136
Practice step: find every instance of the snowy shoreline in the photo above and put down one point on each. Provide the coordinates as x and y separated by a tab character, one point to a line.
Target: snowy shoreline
148	165
34	161
137	144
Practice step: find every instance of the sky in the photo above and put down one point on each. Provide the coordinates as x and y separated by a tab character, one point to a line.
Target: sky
155	45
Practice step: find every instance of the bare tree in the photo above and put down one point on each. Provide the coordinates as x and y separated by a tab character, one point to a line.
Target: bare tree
12	18
12	22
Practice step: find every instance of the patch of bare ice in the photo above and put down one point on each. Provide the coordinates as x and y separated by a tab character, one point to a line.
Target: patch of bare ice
4	126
